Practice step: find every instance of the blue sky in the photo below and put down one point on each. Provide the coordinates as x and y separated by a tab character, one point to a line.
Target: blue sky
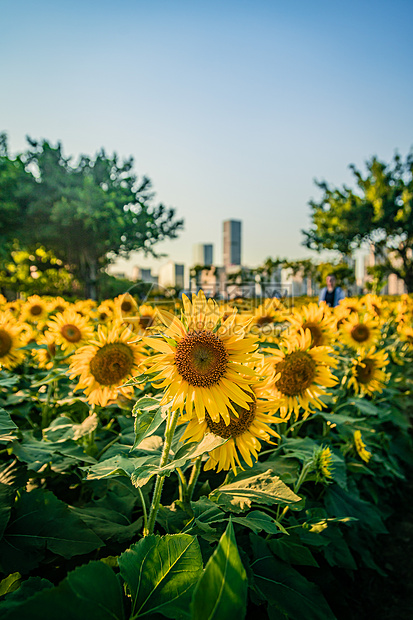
231	108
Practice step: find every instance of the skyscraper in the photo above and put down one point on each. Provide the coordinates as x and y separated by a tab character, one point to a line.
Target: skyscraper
232	243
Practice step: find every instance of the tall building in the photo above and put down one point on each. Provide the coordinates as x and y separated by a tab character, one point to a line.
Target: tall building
203	254
172	275
232	243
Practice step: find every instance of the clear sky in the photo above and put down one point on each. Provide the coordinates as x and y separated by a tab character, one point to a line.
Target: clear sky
231	108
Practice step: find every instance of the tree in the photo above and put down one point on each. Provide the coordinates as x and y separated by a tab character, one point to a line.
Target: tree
378	211
87	213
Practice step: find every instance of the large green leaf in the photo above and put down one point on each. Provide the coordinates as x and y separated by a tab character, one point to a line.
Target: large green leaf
6	502
161	573
288	593
292	552
111	516
188	452
264	488
119	465
10	583
91	591
19	592
149	415
7	425
340	503
221	593
256	520
40	521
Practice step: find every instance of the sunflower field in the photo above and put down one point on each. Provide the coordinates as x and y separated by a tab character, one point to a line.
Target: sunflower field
199	460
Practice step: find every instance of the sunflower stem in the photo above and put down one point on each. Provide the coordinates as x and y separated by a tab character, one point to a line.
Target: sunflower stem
46	406
160	478
182	484
196	468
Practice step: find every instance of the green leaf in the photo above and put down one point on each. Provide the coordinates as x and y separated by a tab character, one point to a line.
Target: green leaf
258	521
6	502
40	521
146	471
91	591
149	415
10	583
264	488
7	425
340	503
291	552
110	517
161	573
288	593
221	593
118	466
21	592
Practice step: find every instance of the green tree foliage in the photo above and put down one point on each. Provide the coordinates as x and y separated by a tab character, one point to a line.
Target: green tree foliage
87	212
378	211
39	269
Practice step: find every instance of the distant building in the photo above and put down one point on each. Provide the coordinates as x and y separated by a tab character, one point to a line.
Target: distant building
232	243
144	275
172	275
203	254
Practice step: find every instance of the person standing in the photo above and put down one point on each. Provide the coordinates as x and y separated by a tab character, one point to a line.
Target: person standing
331	294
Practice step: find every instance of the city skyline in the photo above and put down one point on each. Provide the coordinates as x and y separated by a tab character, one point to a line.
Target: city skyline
237	129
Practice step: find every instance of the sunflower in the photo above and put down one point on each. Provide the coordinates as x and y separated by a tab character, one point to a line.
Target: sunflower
14	307
28	334
360	446
105	364
70	330
84	307
376	306
302	373
318	319
367	374
406	334
323	464
45	357
359	331
247	427
10	353
146	319
203	362
35	310
58	304
125	306
104	312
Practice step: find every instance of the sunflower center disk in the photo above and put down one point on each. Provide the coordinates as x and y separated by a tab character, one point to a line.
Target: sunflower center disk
364	373
71	333
36	310
145	321
126	306
264	320
316	333
112	363
237	426
298	370
5	343
201	358
360	333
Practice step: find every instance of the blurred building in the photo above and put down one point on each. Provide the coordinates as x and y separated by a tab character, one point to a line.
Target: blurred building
144	275
172	275
203	254
232	243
